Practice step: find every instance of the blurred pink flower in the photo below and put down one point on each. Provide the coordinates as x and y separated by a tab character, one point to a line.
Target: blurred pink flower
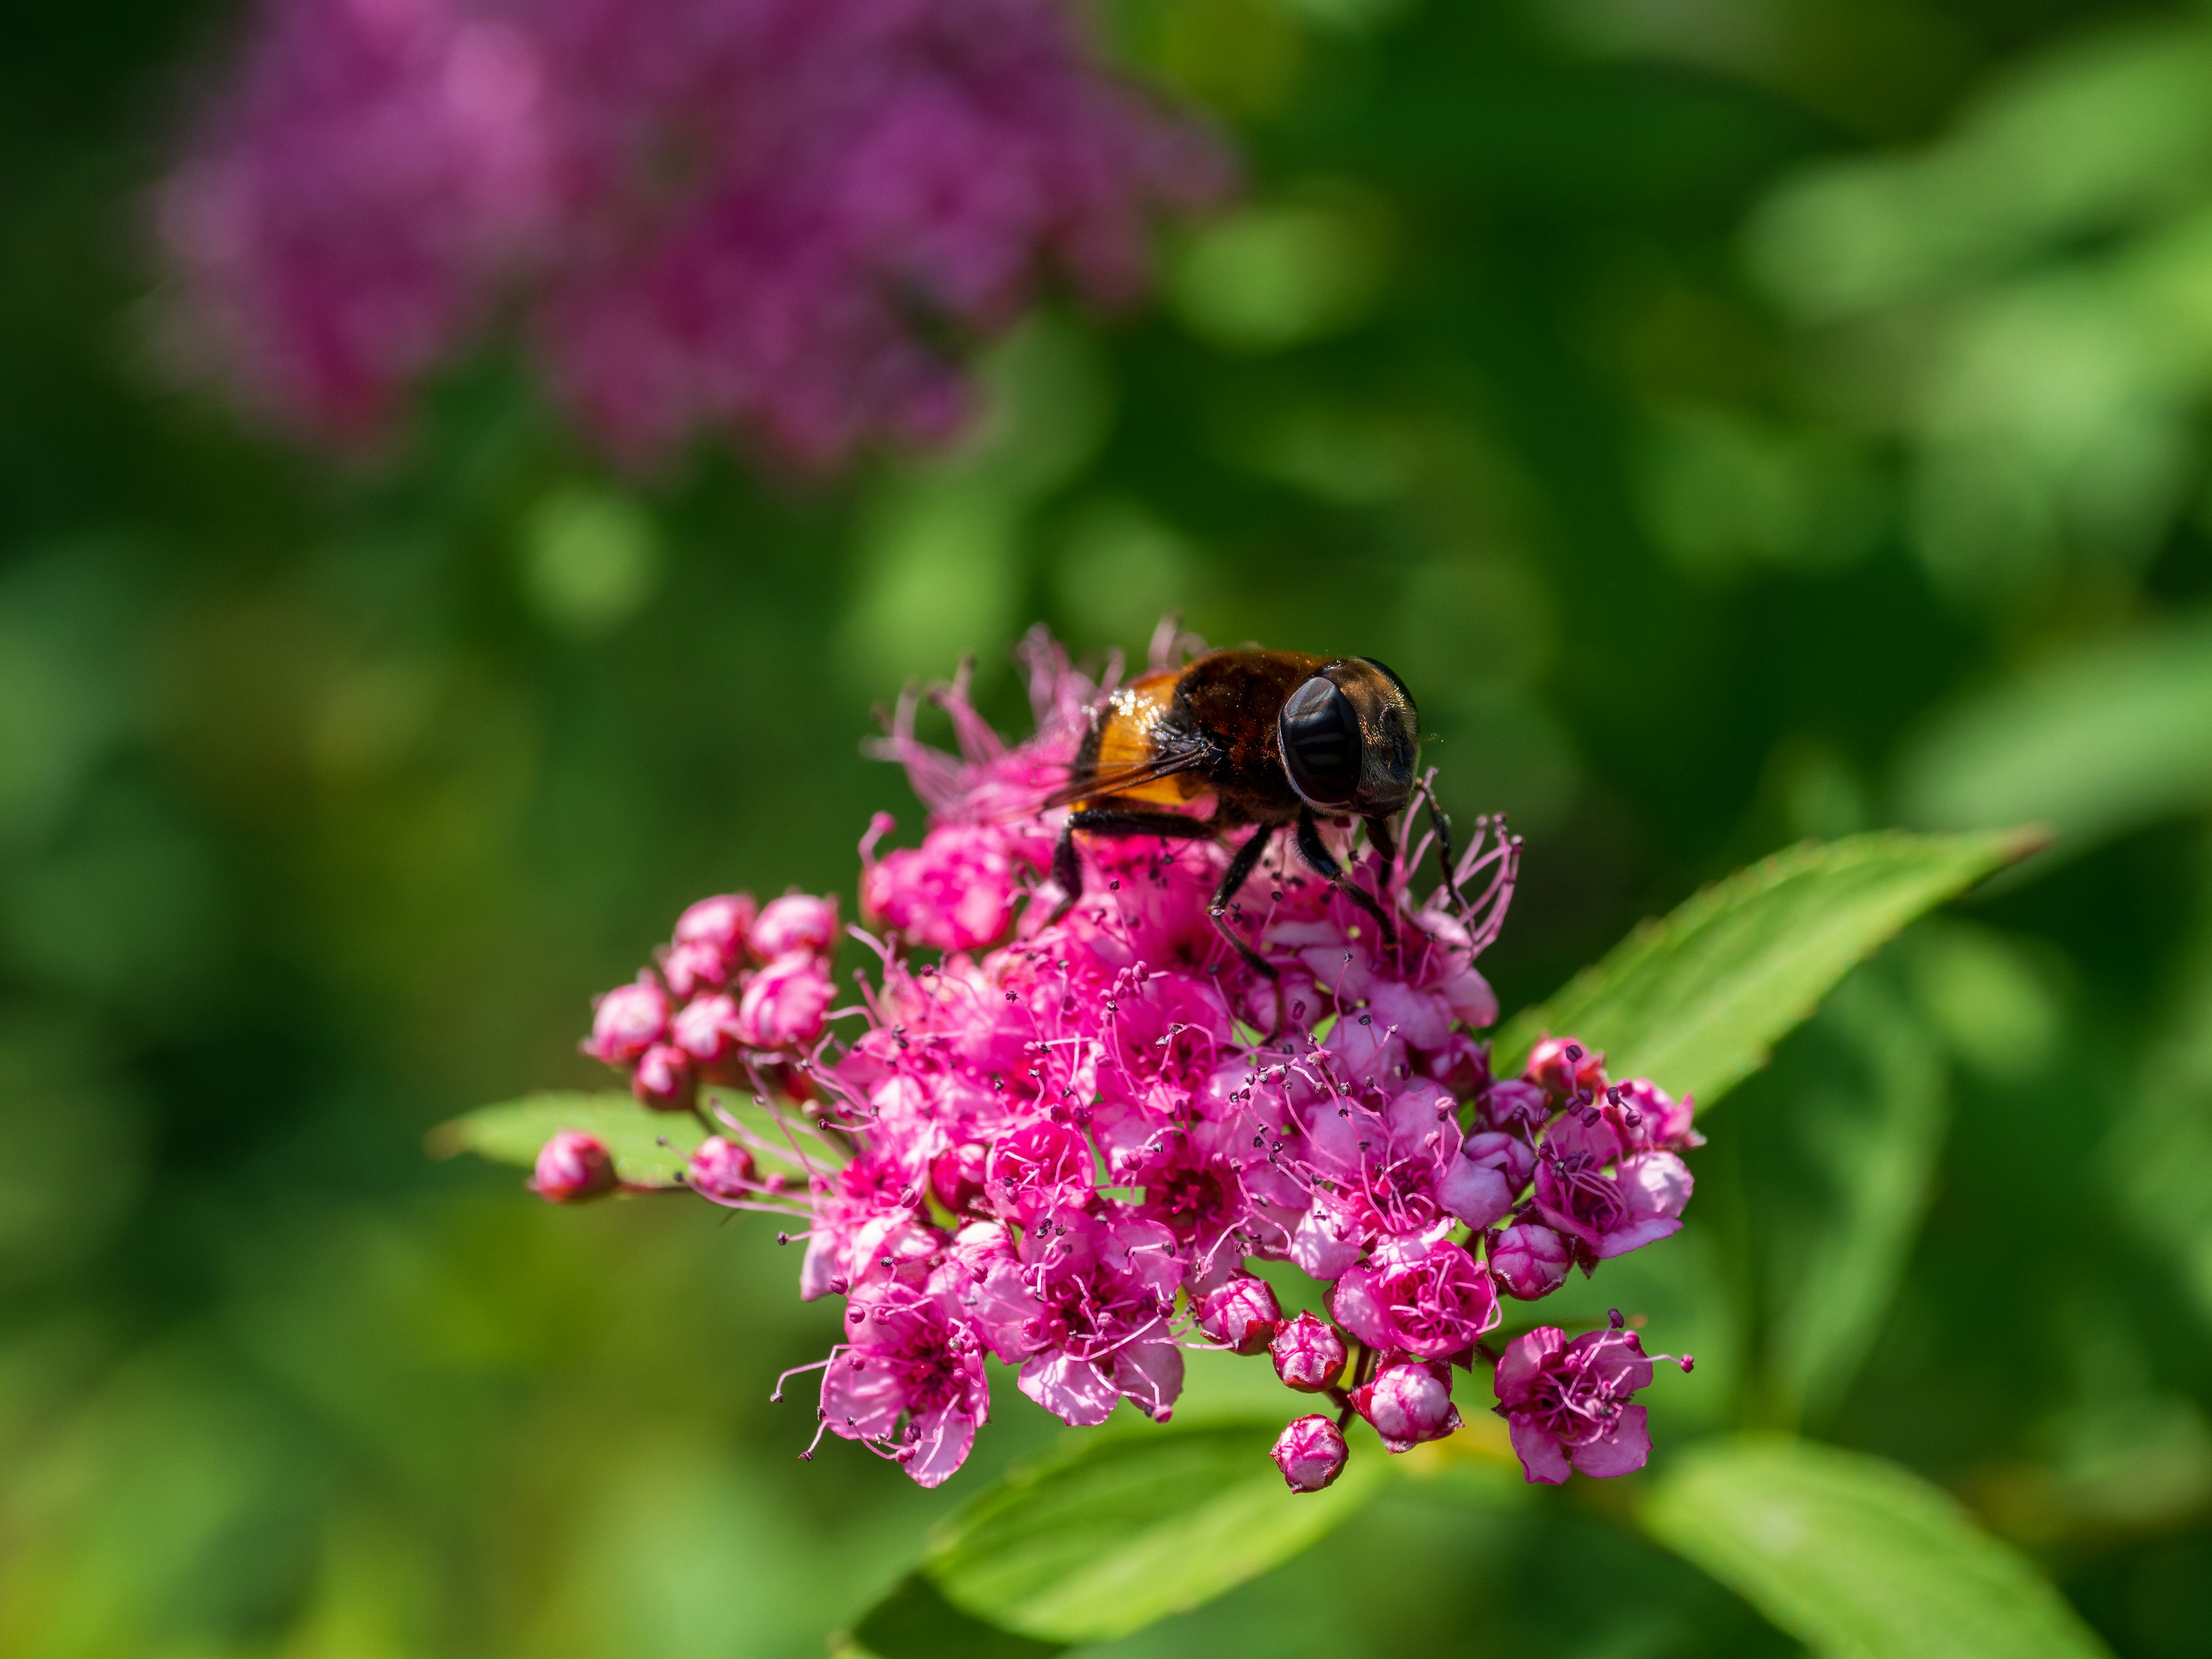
780	215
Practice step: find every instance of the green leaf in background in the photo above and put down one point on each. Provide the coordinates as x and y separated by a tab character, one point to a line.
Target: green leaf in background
2095	743
1124	1528
650	1148
1855	1556
1695	1002
915	1621
1868	1101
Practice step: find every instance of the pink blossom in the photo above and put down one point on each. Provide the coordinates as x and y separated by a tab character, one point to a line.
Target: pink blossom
856	183
722	1171
707	1029
692	966
572	1167
627	1021
1241	1316
1607	1204
907	1380
664	1079
1568	1402
1419	1294
1041	1166
1530	1261
1311	1453
784	1004
1309	1354
1562	1066
723	922
1408	1402
796	923
954	892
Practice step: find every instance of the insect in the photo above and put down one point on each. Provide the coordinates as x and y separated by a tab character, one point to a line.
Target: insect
1271	739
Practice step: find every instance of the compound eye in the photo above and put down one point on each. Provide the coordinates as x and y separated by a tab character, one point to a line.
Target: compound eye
1321	742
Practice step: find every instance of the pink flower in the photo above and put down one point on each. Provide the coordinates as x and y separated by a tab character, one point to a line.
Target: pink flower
860	181
664	1079
722	1171
797	923
1421	1295
692	966
954	892
627	1021
1408	1402
723	922
1609	1203
1241	1316
1309	1354
573	1167
784	1006
909	1380
1561	1065
1569	1402
1311	1453
707	1029
1530	1261
1043	1166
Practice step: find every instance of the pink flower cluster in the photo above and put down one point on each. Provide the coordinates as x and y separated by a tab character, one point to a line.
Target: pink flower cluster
778	215
1065	1142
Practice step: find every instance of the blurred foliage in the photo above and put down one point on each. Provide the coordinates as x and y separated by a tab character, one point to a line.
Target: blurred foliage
1737	419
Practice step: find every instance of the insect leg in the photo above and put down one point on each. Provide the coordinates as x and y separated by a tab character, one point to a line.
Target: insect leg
1315	852
1067	870
1440	821
1240	870
1386	849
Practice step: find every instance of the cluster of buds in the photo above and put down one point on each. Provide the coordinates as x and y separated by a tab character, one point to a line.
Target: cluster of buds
1067	1142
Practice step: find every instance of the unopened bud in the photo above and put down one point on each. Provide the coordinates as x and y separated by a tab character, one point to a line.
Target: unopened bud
957	1175
1242	1315
1309	1354
693	966
664	1079
1310	1453
723	922
1408	1402
721	1170
797	921
627	1021
1562	1066
1529	1261
706	1028
784	1006
573	1167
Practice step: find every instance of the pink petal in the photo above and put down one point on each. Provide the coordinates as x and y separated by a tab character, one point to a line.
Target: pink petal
1621	1452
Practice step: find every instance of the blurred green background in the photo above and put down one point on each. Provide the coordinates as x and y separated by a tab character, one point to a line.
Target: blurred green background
1738	419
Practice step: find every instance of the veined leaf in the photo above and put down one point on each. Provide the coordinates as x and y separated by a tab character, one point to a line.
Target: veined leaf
1124	1528
1855	1556
649	1148
1696	1001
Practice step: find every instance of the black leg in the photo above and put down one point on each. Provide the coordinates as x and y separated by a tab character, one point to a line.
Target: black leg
1240	870
1316	852
1441	822
1386	849
1067	870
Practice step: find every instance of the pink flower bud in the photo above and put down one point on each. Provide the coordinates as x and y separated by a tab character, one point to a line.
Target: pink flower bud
721	1170
1408	1403
573	1167
1529	1261
707	1029
1309	1354
627	1021
664	1079
957	1175
693	966
1242	1316
723	922
797	921
784	1006
1560	1065
1310	1452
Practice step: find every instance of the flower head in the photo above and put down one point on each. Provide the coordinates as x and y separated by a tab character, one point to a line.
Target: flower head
1569	1403
573	1167
1065	1134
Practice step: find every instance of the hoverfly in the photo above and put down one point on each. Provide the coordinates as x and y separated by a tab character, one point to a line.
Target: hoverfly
1271	739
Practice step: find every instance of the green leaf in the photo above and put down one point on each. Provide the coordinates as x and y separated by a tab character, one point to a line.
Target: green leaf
1847	1170
915	1621
650	1148
1855	1556
1696	1001
1124	1528
2095	743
